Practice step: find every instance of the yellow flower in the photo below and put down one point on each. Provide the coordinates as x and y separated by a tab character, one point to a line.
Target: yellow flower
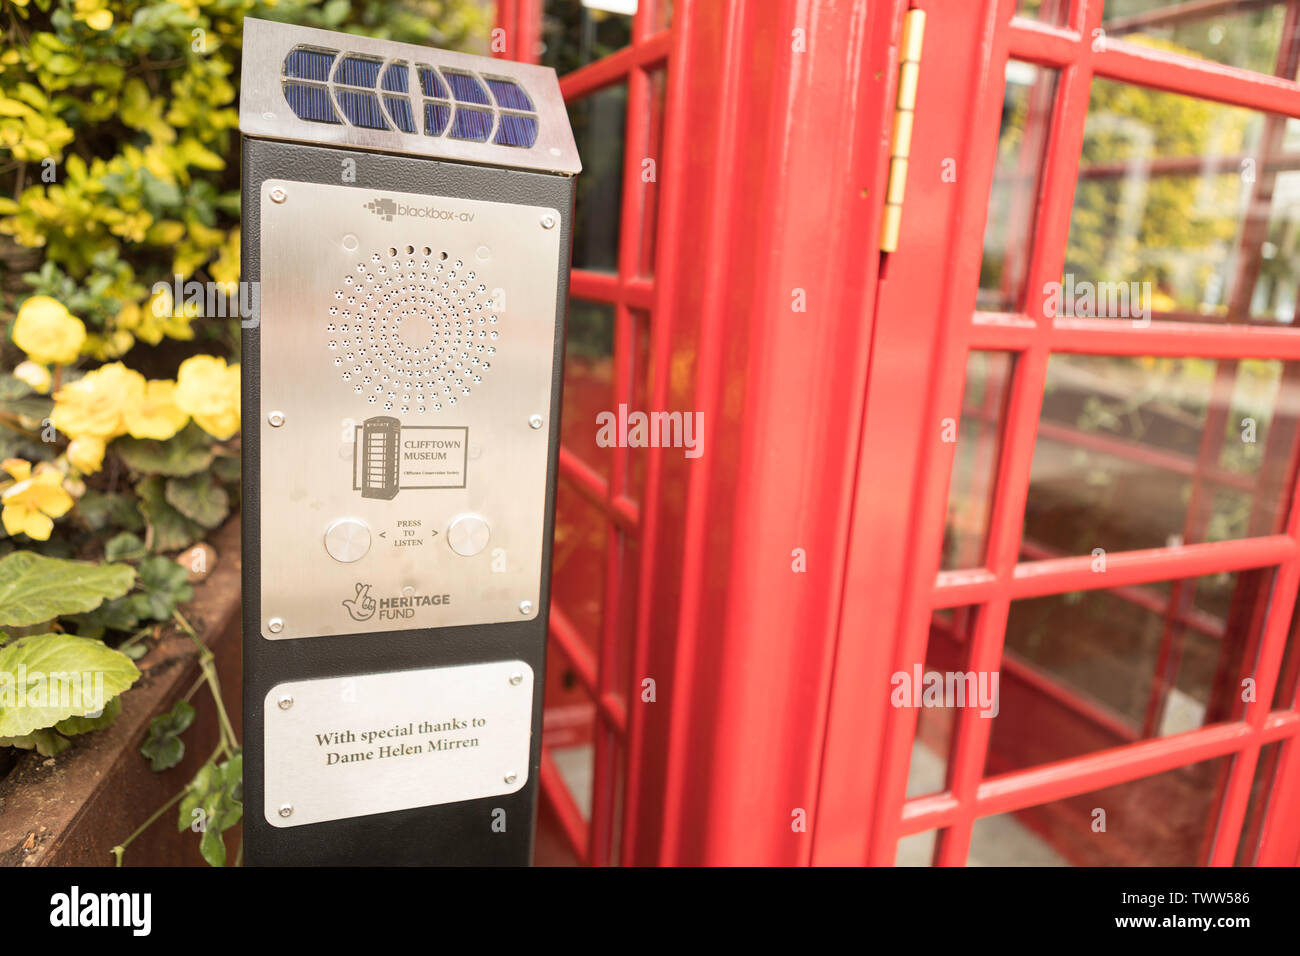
93	15
156	415
86	454
209	390
95	405
33	499
48	332
35	375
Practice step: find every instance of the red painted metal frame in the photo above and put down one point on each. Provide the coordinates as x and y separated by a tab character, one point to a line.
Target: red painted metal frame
769	738
630	293
935	332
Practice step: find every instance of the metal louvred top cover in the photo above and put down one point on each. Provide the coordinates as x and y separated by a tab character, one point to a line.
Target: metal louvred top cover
317	86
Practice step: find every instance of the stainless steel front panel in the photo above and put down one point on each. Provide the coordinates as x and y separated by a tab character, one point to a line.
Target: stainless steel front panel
407	344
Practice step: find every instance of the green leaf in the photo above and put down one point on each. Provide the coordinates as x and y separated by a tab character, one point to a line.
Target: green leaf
163	753
115	615
164	747
19	398
34	588
47	678
84	725
163	584
171	529
124	547
45	742
213	847
227	468
217	794
199	498
187	452
103	511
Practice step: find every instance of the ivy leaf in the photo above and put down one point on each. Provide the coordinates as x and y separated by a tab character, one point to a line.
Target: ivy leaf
227	468
124	547
213	803
199	498
163	584
188	452
164	747
171	529
57	676
35	588
101	511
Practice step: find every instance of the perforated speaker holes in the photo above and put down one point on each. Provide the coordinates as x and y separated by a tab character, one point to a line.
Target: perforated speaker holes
413	329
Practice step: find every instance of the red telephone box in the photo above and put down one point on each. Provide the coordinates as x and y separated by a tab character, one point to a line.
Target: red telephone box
1051	435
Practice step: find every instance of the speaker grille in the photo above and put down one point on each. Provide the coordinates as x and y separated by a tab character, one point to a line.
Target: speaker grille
413	328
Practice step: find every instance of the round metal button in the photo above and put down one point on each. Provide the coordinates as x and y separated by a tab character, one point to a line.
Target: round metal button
468	535
347	540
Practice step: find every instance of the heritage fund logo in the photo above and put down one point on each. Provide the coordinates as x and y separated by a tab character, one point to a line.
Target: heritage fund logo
386	209
362	607
74	909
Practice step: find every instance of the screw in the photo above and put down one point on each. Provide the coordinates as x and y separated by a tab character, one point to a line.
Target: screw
548	221
516	678
285	702
276	419
534	421
275	625
286	810
279	195
525	607
510	778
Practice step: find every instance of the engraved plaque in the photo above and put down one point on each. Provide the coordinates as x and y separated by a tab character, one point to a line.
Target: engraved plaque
376	743
406	343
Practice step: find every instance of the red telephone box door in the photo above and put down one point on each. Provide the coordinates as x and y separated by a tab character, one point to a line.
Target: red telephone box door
1077	494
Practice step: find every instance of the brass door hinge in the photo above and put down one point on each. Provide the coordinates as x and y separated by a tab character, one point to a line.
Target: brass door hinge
909	68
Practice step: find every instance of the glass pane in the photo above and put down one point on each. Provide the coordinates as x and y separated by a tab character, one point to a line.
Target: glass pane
588	381
642	391
946	652
578	562
1154	452
1091	670
1186	206
598	124
975	459
1284	693
1026	117
650	173
917	849
1003	840
578	32
1155	821
569	727
621	682
1245	33
1047	11
1261	788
